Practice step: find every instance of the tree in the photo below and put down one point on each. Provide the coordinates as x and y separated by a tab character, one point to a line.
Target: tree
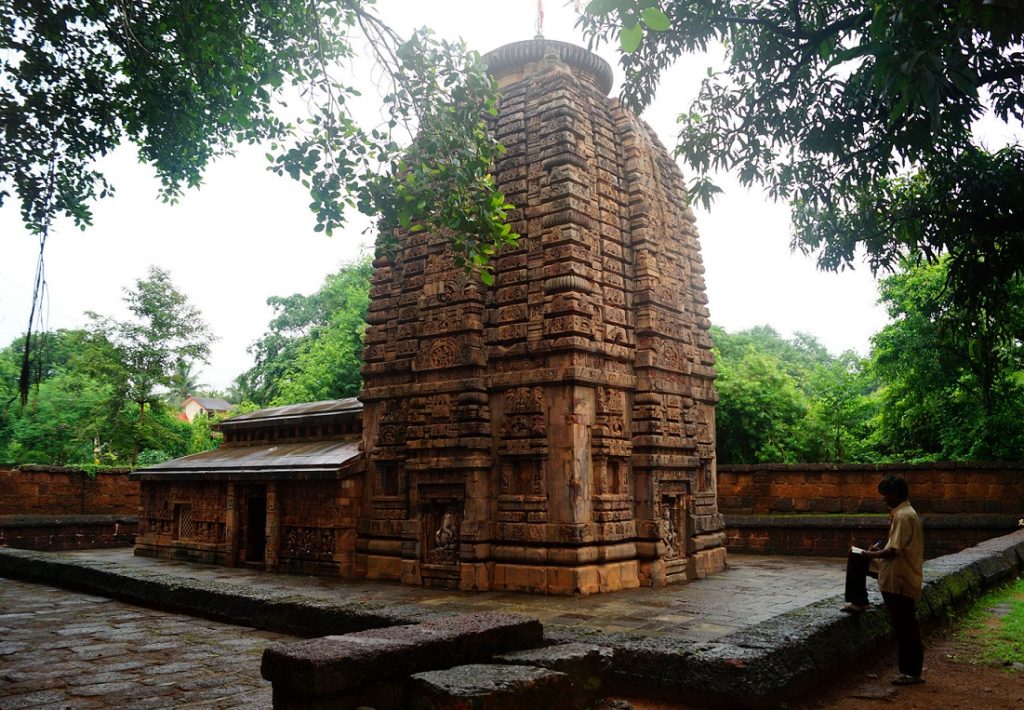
789	400
60	424
313	348
947	395
759	410
164	329
860	115
77	413
54	354
182	382
842	414
186	82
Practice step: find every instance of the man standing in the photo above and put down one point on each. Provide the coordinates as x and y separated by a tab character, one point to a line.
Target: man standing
898	566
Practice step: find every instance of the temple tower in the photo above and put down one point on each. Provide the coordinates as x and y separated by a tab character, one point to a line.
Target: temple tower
553	432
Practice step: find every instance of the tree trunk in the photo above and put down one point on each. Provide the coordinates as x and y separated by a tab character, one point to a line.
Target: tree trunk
138	433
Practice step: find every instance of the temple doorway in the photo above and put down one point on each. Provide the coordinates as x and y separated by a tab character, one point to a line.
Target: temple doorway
253	532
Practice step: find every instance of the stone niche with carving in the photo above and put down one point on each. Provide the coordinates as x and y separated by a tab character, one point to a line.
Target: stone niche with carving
553	432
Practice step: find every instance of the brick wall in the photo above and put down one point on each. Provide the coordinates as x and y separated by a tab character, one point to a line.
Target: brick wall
820	509
50	490
61	508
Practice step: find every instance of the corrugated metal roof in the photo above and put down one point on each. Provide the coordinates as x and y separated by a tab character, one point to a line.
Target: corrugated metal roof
317	457
329	406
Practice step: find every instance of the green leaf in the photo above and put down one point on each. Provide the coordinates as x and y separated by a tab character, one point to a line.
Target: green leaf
600	7
655	19
631	37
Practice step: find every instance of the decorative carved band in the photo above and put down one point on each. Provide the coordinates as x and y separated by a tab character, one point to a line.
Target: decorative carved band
569	282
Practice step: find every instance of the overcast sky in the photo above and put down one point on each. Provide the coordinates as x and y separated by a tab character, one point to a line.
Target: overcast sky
248	234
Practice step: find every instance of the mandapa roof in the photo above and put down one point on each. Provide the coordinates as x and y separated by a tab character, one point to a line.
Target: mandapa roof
305	460
298	411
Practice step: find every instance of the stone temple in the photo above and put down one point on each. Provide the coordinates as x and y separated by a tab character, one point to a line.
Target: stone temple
551	433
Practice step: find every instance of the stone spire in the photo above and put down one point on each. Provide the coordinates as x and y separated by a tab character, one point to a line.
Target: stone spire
553	432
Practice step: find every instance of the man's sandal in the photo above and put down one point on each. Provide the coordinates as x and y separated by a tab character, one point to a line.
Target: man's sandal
904	679
851	608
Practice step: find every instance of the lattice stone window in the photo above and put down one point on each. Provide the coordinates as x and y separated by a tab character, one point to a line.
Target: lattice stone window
183	526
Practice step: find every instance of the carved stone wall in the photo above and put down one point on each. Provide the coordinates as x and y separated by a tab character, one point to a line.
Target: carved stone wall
298	526
184	520
317	523
561	422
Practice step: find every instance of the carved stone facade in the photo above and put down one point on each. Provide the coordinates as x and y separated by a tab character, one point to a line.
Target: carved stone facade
554	432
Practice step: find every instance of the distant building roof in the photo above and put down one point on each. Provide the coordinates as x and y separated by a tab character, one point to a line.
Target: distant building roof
211	404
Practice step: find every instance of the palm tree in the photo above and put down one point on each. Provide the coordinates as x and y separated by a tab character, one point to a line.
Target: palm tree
183	382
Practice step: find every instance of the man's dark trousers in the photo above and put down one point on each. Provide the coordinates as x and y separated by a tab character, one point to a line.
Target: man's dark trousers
903	615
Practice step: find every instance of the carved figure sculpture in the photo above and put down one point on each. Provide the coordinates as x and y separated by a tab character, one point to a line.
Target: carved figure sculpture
668	532
444	538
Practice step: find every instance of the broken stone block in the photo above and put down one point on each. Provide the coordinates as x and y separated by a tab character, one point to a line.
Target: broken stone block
586	664
334	671
490	687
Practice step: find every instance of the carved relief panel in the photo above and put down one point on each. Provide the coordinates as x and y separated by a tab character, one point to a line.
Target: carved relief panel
307	541
524	413
673	526
442	513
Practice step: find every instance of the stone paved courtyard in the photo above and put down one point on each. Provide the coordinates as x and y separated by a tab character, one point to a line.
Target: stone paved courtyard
61	649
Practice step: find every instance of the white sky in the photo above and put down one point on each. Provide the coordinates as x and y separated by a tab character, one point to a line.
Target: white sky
248	234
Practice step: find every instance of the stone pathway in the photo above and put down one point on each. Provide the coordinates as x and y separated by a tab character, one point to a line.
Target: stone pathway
753	589
61	649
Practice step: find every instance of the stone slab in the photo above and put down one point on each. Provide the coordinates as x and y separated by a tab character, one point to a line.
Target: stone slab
490	687
344	664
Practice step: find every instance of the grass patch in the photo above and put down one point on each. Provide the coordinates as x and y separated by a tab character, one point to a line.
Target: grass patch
995	625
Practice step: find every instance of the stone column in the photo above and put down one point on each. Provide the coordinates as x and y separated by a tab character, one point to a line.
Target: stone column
272	552
231	525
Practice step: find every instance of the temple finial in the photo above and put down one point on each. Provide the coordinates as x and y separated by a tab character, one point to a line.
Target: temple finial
540	19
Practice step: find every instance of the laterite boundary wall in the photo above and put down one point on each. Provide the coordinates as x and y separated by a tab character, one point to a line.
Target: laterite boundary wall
60	490
808	509
63	508
820	509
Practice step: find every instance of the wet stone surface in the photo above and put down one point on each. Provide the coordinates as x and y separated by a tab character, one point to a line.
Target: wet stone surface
63	649
751	590
57	643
